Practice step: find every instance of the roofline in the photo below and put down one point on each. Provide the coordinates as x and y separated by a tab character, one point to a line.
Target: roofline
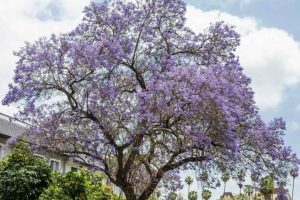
14	120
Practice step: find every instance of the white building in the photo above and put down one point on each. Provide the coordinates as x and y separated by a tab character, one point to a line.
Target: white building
10	127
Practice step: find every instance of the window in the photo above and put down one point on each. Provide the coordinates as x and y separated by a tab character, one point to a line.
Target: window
39	156
1	152
74	169
54	164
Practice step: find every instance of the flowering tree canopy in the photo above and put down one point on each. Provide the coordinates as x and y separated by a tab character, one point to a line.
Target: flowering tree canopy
139	96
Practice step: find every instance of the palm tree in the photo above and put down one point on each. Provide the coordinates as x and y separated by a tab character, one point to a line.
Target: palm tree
225	177
203	179
267	187
179	197
172	196
254	178
248	190
192	195
189	180
241	178
206	194
240	186
294	173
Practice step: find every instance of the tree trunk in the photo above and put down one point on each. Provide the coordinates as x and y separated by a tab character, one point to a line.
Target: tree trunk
151	187
267	197
127	190
130	195
293	188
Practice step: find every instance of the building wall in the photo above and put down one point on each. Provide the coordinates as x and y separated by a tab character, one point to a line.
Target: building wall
10	127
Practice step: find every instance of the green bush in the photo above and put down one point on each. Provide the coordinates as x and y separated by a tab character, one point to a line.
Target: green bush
82	185
23	176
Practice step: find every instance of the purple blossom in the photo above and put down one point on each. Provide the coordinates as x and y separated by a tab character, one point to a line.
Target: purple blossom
282	196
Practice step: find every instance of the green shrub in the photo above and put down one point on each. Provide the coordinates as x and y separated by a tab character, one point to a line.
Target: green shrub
82	185
23	176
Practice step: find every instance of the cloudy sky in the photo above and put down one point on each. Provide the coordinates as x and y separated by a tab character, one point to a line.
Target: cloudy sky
269	51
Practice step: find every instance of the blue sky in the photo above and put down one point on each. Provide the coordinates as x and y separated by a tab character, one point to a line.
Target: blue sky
269	51
272	13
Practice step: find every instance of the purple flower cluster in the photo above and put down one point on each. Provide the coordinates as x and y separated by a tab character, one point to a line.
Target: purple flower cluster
282	196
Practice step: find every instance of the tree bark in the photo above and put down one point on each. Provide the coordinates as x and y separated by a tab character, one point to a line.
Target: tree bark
267	197
129	194
147	193
293	188
126	188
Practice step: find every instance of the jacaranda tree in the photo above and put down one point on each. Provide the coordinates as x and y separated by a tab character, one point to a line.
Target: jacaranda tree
139	96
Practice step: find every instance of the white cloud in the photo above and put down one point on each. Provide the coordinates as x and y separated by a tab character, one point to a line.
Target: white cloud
19	23
270	56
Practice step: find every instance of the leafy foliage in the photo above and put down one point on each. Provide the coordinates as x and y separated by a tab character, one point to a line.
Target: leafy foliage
225	177
206	194
23	176
192	195
267	186
81	185
248	190
172	196
188	180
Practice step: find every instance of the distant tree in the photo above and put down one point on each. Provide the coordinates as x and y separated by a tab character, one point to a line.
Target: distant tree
23	176
139	95
172	196
267	187
294	174
206	194
189	180
192	195
225	177
241	179
248	190
254	177
179	197
203	177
